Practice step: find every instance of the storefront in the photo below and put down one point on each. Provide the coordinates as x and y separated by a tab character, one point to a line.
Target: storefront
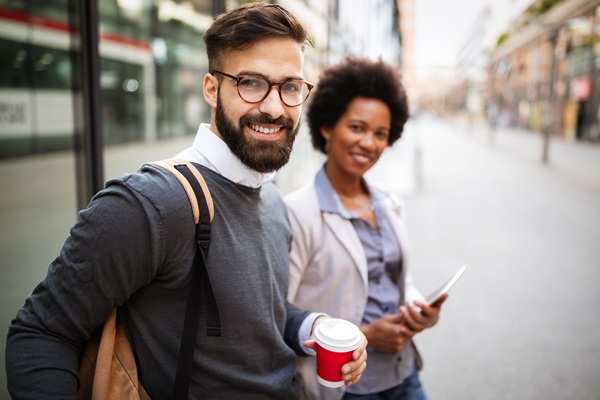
149	50
583	56
547	75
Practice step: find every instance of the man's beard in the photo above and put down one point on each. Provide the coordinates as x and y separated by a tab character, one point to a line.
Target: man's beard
259	155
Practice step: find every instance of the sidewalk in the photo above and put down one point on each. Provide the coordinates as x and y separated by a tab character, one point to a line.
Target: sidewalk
579	161
528	234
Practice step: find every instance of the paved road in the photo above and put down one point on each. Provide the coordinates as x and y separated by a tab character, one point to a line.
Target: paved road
521	324
523	321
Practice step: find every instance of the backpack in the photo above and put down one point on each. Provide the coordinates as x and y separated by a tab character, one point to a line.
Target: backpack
107	368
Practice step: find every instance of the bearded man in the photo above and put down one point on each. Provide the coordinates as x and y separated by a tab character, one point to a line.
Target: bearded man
135	243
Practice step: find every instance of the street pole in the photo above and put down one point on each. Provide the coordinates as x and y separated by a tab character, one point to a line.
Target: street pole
87	95
550	117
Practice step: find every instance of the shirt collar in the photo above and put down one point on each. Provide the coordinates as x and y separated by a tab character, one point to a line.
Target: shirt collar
328	199
212	152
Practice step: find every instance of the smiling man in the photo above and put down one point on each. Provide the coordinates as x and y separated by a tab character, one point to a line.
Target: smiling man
258	123
134	245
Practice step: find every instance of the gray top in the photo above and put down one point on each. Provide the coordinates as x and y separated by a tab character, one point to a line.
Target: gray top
134	245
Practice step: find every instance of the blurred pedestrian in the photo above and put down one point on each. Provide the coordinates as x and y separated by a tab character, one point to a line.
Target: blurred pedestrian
134	245
349	254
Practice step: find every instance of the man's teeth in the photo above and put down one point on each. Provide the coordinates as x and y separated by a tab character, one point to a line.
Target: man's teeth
262	129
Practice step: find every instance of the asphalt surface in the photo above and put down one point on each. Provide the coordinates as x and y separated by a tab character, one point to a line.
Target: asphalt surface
522	323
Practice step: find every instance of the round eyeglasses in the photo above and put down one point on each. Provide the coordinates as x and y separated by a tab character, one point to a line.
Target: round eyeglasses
254	89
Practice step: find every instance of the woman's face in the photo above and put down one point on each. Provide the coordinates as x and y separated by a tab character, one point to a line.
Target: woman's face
359	137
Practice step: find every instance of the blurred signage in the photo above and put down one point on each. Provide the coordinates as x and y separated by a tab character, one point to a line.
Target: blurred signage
18	118
581	88
15	113
580	61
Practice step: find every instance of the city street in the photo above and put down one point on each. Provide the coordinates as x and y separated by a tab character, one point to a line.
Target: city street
521	324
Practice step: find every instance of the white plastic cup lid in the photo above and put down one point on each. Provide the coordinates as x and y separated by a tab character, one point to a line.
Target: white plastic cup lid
337	335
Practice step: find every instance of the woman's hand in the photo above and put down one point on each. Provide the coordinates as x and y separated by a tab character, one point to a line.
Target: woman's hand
387	334
419	316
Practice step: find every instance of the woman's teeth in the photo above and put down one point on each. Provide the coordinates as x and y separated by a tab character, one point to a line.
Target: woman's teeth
361	158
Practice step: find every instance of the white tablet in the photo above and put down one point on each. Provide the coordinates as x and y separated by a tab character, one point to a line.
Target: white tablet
435	296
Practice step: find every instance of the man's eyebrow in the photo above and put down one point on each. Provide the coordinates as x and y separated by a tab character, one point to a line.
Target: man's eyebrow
254	73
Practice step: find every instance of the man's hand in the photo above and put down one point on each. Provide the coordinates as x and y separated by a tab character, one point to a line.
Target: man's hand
351	371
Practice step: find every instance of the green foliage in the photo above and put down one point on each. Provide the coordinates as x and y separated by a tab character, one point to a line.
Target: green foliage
542	6
501	39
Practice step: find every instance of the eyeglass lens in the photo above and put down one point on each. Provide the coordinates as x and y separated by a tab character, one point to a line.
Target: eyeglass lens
254	89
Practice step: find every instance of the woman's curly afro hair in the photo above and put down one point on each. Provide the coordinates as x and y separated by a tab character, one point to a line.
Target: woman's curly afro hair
356	77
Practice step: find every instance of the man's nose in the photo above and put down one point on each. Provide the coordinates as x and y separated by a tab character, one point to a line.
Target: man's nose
272	104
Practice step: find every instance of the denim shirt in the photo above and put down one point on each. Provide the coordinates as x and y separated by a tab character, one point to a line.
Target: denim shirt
384	257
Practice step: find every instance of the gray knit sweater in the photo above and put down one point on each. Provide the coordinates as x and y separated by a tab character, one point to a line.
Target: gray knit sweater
134	246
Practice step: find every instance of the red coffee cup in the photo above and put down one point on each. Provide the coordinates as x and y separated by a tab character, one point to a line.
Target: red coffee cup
336	340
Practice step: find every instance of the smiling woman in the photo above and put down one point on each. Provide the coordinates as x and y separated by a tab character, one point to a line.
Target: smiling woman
348	254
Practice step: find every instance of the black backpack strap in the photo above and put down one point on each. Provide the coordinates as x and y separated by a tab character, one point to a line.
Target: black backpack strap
203	210
213	321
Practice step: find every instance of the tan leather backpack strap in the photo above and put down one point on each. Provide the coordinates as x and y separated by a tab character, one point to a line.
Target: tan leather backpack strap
203	209
169	165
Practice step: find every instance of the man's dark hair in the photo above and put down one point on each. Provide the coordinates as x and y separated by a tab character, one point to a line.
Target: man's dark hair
355	77
241	27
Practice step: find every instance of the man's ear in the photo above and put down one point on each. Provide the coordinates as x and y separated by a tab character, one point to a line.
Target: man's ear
211	87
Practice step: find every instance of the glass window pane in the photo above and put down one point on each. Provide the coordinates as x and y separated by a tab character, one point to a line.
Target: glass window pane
38	201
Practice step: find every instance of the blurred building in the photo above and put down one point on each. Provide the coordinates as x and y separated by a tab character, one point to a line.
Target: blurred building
407	50
468	94
471	69
151	61
365	28
544	74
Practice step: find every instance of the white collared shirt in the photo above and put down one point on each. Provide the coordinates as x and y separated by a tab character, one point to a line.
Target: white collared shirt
213	153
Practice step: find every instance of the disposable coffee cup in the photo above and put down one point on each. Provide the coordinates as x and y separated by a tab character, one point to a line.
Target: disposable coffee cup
336	340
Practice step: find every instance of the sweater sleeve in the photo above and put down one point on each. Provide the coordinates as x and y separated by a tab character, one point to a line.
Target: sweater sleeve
294	320
110	253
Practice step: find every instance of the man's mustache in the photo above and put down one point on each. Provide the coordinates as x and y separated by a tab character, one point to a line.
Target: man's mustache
287	123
